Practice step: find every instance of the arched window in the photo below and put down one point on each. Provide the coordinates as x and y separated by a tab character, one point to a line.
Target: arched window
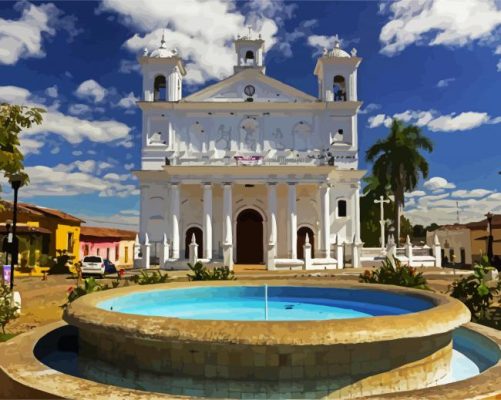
341	208
249	57
339	88
160	87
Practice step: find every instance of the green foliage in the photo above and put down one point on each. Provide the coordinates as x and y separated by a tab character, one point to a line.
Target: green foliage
400	275
202	273
13	119
398	163
149	278
8	308
473	291
90	285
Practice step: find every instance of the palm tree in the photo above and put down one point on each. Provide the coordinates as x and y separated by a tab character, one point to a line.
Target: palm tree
398	163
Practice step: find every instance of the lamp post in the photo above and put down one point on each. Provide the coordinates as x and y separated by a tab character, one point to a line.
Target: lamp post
490	252
15	182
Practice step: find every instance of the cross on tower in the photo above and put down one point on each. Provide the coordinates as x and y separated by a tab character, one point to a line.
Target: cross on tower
381	201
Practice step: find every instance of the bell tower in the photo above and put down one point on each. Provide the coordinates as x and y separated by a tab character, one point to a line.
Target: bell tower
336	71
250	52
163	71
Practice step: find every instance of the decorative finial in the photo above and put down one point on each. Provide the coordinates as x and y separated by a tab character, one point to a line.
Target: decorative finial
259	36
249	31
436	242
145	52
193	240
163	45
354	52
164	241
146	239
325	51
337	45
408	240
307	238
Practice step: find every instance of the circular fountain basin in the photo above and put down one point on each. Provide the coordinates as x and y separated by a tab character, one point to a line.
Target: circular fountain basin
322	338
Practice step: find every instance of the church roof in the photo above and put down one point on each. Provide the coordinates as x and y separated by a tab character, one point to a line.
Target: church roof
245	75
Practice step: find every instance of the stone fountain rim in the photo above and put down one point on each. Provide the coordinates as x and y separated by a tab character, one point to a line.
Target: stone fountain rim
446	315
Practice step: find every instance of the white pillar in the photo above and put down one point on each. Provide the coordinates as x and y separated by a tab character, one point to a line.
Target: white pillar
207	221
227	228
307	252
137	250
146	252
143	206
325	221
193	250
292	220
437	251
272	211
164	251
175	215
408	250
357	213
339	252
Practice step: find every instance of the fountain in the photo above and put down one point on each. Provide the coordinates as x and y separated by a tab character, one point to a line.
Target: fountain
314	339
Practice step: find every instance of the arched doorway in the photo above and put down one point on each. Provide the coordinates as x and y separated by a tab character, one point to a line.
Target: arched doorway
199	237
249	237
301	238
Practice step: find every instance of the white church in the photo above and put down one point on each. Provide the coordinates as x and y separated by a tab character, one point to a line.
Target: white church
250	170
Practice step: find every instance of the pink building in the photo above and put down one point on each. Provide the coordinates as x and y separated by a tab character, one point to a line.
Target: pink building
115	245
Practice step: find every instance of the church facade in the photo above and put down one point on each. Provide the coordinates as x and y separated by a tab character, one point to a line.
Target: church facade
250	168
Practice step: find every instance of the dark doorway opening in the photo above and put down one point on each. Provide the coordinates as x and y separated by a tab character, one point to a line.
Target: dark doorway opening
199	238
301	238
249	237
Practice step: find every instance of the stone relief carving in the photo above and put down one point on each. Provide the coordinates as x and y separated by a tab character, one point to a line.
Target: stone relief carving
278	137
249	134
224	137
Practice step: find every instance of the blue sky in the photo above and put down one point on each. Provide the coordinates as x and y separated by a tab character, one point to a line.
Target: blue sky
435	63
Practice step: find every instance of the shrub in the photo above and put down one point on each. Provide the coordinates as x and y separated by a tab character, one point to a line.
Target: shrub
90	285
473	291
202	273
60	265
400	275
8	308
145	278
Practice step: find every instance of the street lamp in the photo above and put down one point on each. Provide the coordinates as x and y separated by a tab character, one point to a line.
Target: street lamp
490	252
15	182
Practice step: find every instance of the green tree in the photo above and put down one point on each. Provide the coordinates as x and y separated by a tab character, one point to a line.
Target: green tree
13	120
398	163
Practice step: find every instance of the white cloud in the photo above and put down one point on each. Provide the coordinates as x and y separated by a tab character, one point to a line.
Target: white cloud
92	90
77	153
435	122
378	120
14	94
207	49
443	210
128	101
79	109
471	193
23	38
128	66
439	22
438	183
73	129
52	91
415	193
31	146
61	180
460	122
122	219
445	82
370	108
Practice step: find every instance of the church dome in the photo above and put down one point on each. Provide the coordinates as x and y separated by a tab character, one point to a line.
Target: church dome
162	51
337	51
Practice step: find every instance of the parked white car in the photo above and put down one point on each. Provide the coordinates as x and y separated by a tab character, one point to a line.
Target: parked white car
93	265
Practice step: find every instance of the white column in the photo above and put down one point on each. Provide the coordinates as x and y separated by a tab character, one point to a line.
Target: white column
175	214
272	211
227	229
292	220
357	213
207	221
143	206
325	221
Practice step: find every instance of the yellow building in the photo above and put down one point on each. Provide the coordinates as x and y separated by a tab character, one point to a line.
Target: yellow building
43	232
